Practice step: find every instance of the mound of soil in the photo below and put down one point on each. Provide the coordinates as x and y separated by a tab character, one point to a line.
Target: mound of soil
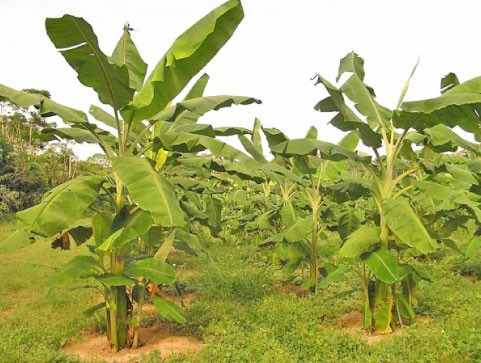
155	338
351	323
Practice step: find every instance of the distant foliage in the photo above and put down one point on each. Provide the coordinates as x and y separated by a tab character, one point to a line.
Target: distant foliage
30	164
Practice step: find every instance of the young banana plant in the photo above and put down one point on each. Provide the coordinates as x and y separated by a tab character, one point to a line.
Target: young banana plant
296	216
307	216
385	244
119	212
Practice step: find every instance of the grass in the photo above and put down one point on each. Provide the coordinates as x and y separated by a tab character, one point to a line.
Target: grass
36	321
243	316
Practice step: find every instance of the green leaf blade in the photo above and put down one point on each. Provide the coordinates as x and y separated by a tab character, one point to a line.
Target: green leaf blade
189	53
151	191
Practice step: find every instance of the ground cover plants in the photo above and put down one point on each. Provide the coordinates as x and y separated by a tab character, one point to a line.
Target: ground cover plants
282	244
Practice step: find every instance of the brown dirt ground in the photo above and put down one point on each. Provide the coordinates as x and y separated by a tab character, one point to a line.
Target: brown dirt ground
351	323
155	338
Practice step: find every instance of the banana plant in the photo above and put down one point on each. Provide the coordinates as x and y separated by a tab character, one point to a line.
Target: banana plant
388	241
299	200
136	198
308	206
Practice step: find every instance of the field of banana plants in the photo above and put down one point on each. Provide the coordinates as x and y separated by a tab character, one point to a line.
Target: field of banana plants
189	249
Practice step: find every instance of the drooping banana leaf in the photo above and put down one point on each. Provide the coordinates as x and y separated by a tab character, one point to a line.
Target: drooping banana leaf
459	106
46	106
189	111
308	146
186	142
61	207
80	135
441	135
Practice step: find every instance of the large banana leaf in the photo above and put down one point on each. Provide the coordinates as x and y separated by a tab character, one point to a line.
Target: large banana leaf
162	127
79	267
46	106
166	247
384	266
360	241
441	135
447	198
151	191
61	207
102	226
189	111
406	225
299	230
345	119
308	146
135	226
189	53
126	54
80	135
77	42
152	269
359	93
186	142
459	106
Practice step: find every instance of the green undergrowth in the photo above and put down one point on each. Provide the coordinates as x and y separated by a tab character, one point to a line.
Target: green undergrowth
243	314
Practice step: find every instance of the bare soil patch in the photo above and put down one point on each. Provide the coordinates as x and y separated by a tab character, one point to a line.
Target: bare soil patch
351	323
95	348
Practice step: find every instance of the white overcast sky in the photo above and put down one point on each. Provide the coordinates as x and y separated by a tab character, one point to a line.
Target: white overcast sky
272	55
